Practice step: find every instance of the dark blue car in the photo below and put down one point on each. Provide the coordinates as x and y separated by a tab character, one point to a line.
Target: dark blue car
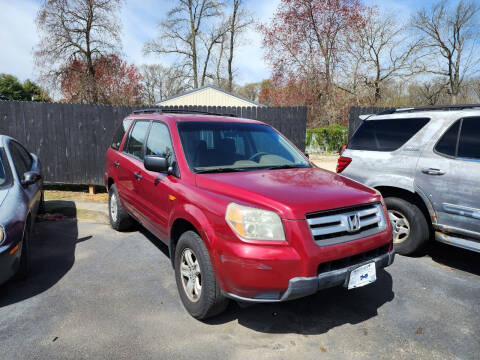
20	199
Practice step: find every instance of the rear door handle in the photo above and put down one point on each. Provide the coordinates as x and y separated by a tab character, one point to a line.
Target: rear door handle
431	171
137	175
116	163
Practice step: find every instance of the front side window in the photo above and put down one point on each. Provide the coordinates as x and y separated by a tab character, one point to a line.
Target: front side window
134	144
159	142
385	135
120	133
224	147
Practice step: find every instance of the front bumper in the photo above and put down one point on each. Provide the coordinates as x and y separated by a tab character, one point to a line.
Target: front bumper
303	286
9	262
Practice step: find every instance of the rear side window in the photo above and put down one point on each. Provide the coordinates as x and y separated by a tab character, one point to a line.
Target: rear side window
134	145
385	135
469	142
447	145
120	133
461	140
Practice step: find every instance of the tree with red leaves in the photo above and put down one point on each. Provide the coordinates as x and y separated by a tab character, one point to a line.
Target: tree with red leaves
115	82
304	43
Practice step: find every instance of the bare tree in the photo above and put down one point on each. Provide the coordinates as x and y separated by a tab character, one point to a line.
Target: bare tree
450	37
160	82
383	51
76	30
238	22
181	32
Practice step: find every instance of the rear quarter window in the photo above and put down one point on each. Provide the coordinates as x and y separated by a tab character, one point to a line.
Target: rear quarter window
386	135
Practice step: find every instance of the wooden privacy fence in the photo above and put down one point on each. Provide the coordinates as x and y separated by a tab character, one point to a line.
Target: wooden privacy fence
354	120
71	139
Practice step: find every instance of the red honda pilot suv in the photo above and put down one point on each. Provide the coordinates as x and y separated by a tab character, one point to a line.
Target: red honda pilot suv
245	215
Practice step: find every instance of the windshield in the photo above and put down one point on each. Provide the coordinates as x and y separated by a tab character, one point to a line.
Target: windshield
225	147
3	175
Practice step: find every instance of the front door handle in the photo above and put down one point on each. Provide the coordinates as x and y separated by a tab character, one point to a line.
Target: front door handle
431	171
138	176
116	163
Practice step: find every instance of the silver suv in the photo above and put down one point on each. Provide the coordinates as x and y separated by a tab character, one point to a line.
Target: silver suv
426	163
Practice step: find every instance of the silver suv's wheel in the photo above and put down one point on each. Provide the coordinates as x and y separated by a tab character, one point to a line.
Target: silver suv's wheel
401	226
410	228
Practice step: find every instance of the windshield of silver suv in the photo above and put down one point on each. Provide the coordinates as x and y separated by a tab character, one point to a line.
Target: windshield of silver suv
228	147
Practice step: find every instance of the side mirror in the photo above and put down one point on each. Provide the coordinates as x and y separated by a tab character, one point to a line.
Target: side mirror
156	164
30	178
307	155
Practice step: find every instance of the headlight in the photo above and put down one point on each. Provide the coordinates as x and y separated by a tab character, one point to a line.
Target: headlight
2	234
254	224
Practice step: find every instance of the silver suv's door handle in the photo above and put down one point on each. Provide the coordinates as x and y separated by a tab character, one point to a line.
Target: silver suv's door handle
431	171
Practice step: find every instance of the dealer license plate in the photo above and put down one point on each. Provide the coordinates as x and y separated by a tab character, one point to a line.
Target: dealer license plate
362	276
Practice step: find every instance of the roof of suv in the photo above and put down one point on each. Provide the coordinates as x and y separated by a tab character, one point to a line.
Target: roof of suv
174	117
427	111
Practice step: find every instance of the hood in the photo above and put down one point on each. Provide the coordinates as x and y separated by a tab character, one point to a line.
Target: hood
290	192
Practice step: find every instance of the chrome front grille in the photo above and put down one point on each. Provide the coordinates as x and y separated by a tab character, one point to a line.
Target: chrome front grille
346	224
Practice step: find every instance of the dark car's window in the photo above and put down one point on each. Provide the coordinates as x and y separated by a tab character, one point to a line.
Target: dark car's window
385	135
134	145
22	161
215	146
469	142
120	133
159	142
447	145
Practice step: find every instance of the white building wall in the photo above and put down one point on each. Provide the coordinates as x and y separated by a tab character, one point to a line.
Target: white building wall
206	97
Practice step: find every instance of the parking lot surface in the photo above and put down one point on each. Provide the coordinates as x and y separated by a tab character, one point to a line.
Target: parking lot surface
98	294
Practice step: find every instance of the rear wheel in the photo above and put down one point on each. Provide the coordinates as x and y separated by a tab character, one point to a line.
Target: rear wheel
410	227
195	278
120	220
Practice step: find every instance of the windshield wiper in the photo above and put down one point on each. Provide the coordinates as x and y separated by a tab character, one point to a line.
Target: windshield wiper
219	170
286	166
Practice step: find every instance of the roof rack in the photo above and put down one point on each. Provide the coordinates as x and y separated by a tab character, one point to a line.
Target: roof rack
429	108
180	111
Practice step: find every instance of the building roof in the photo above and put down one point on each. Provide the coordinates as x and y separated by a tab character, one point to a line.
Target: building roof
189	92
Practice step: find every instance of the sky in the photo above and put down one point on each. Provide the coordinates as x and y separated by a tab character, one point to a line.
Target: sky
18	34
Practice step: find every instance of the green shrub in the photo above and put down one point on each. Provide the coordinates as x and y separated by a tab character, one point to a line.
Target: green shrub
326	139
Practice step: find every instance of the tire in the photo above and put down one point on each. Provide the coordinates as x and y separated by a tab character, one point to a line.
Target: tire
409	236
209	302
23	269
120	220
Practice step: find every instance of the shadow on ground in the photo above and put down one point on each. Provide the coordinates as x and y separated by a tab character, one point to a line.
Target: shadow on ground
315	314
454	257
52	254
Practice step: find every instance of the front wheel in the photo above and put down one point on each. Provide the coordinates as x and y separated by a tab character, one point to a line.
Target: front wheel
410	227
195	278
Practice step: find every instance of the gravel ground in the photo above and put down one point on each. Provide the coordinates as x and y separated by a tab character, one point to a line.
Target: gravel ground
98	294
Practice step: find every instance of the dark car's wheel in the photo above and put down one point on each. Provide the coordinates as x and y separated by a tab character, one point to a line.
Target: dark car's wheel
23	269
410	227
195	278
120	220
